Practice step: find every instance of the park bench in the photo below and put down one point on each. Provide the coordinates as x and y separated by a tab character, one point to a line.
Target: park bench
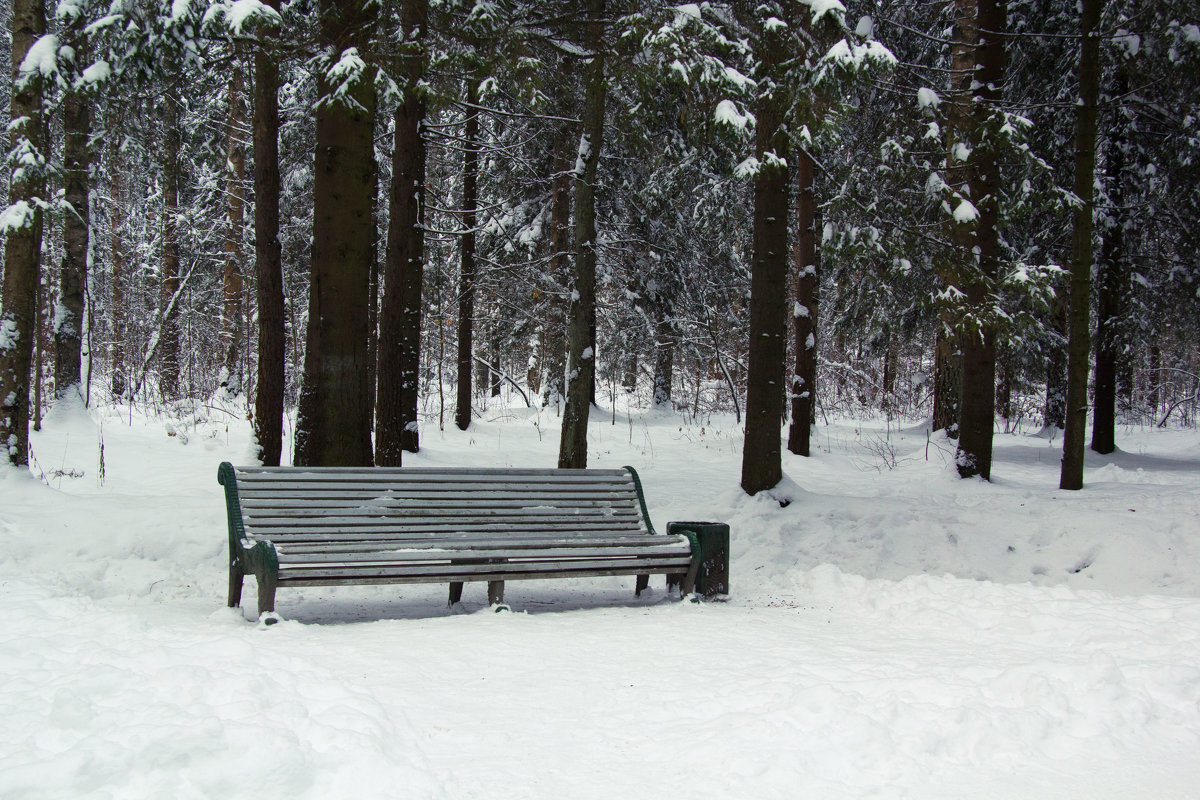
320	526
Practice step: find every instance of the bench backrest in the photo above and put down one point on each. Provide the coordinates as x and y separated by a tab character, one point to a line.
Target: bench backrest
329	504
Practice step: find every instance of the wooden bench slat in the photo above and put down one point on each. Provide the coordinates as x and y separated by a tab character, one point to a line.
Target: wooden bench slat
411	522
433	492
509	576
375	522
456	536
530	498
300	503
443	510
276	481
483	491
261	529
473	571
287	558
475	543
250	473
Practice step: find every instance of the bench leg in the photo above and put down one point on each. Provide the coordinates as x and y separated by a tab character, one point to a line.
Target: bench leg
643	581
688	583
495	593
236	577
266	592
455	592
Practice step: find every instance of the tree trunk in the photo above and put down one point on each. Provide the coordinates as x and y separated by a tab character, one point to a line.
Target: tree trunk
555	350
1004	390
1113	279
804	316
630	381
496	371
68	321
1056	367
399	361
118	352
977	416
39	346
1078	347
762	466
168	344
664	359
533	374
333	425
593	337
572	449
949	366
235	204
22	249
1154	383
947	380
466	287
268	398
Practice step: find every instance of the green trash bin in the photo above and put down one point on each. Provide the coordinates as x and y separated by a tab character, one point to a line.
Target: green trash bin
713	576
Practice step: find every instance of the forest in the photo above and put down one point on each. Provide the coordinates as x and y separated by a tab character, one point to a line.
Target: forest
863	285
376	214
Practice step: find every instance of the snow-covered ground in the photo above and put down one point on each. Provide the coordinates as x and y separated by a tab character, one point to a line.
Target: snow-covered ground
892	632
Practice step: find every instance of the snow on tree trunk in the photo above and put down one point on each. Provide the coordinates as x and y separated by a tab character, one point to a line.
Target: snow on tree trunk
572	450
762	466
804	315
22	224
977	415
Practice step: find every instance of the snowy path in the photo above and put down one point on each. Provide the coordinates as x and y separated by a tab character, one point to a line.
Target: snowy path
123	676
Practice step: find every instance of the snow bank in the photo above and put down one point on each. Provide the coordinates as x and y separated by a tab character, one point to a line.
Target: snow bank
893	631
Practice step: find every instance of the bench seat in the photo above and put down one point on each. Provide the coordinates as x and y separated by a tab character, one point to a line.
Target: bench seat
314	526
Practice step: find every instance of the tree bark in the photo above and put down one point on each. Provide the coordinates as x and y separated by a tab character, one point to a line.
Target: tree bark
1078	347
572	449
977	415
77	129
496	371
268	398
949	365
947	379
118	347
399	360
333	423
168	345
554	352
233	280
1154	382
1056	366
804	316
762	466
1004	389
1113	279
466	288
22	249
665	337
